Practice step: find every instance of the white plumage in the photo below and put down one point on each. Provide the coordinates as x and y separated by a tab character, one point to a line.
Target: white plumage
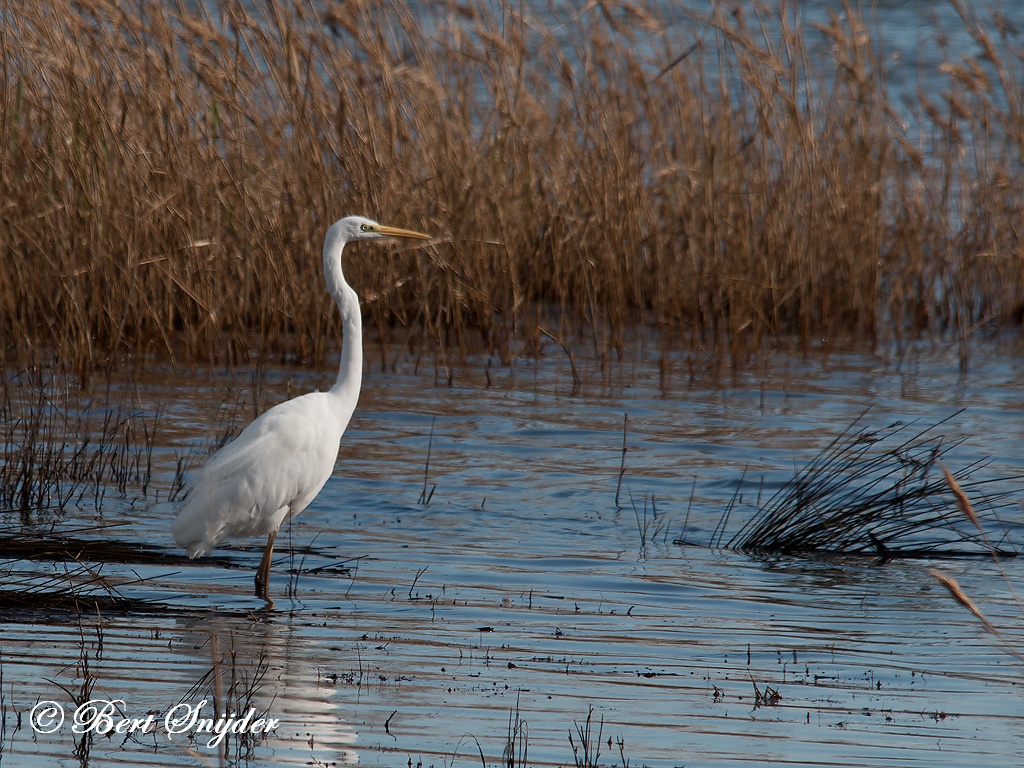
279	463
267	475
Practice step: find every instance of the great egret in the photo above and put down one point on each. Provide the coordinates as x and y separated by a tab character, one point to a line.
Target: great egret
277	466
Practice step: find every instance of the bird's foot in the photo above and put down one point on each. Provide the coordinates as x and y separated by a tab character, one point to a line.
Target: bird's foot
262	588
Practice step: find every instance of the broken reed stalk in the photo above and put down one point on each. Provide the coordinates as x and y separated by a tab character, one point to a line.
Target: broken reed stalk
681	540
517	740
587	752
168	171
425	497
961	500
950	583
961	597
649	527
622	462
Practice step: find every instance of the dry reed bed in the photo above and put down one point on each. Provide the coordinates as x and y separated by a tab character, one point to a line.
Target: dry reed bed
166	175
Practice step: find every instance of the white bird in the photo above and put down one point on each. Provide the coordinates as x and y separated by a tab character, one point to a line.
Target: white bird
277	466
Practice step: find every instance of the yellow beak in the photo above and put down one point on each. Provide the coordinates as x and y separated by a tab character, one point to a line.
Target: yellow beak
396	232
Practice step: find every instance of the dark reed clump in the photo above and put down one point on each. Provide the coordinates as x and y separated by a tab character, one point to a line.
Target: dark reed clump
875	491
167	171
89	544
76	589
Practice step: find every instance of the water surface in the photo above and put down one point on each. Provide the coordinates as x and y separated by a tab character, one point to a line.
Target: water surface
408	632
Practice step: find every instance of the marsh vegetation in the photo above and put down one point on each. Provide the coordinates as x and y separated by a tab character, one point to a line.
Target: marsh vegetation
722	180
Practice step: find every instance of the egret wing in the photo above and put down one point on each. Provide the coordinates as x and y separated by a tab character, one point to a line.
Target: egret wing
272	470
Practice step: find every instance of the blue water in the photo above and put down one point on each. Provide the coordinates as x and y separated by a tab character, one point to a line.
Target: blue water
409	632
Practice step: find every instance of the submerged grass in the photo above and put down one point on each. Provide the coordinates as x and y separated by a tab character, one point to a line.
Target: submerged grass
167	171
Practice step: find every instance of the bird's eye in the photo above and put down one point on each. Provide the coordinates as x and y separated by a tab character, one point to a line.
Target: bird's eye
367	228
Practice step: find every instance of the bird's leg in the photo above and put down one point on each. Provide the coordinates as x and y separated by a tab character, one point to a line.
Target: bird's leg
263	572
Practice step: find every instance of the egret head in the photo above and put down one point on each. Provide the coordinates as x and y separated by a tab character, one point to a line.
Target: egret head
348	230
353	228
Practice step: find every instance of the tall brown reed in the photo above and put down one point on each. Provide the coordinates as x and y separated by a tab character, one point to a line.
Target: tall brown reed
167	172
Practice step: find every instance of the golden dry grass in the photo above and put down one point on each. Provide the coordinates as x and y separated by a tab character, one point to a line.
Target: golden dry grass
167	172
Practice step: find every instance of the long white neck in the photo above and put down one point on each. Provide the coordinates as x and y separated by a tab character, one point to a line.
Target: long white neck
350	370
